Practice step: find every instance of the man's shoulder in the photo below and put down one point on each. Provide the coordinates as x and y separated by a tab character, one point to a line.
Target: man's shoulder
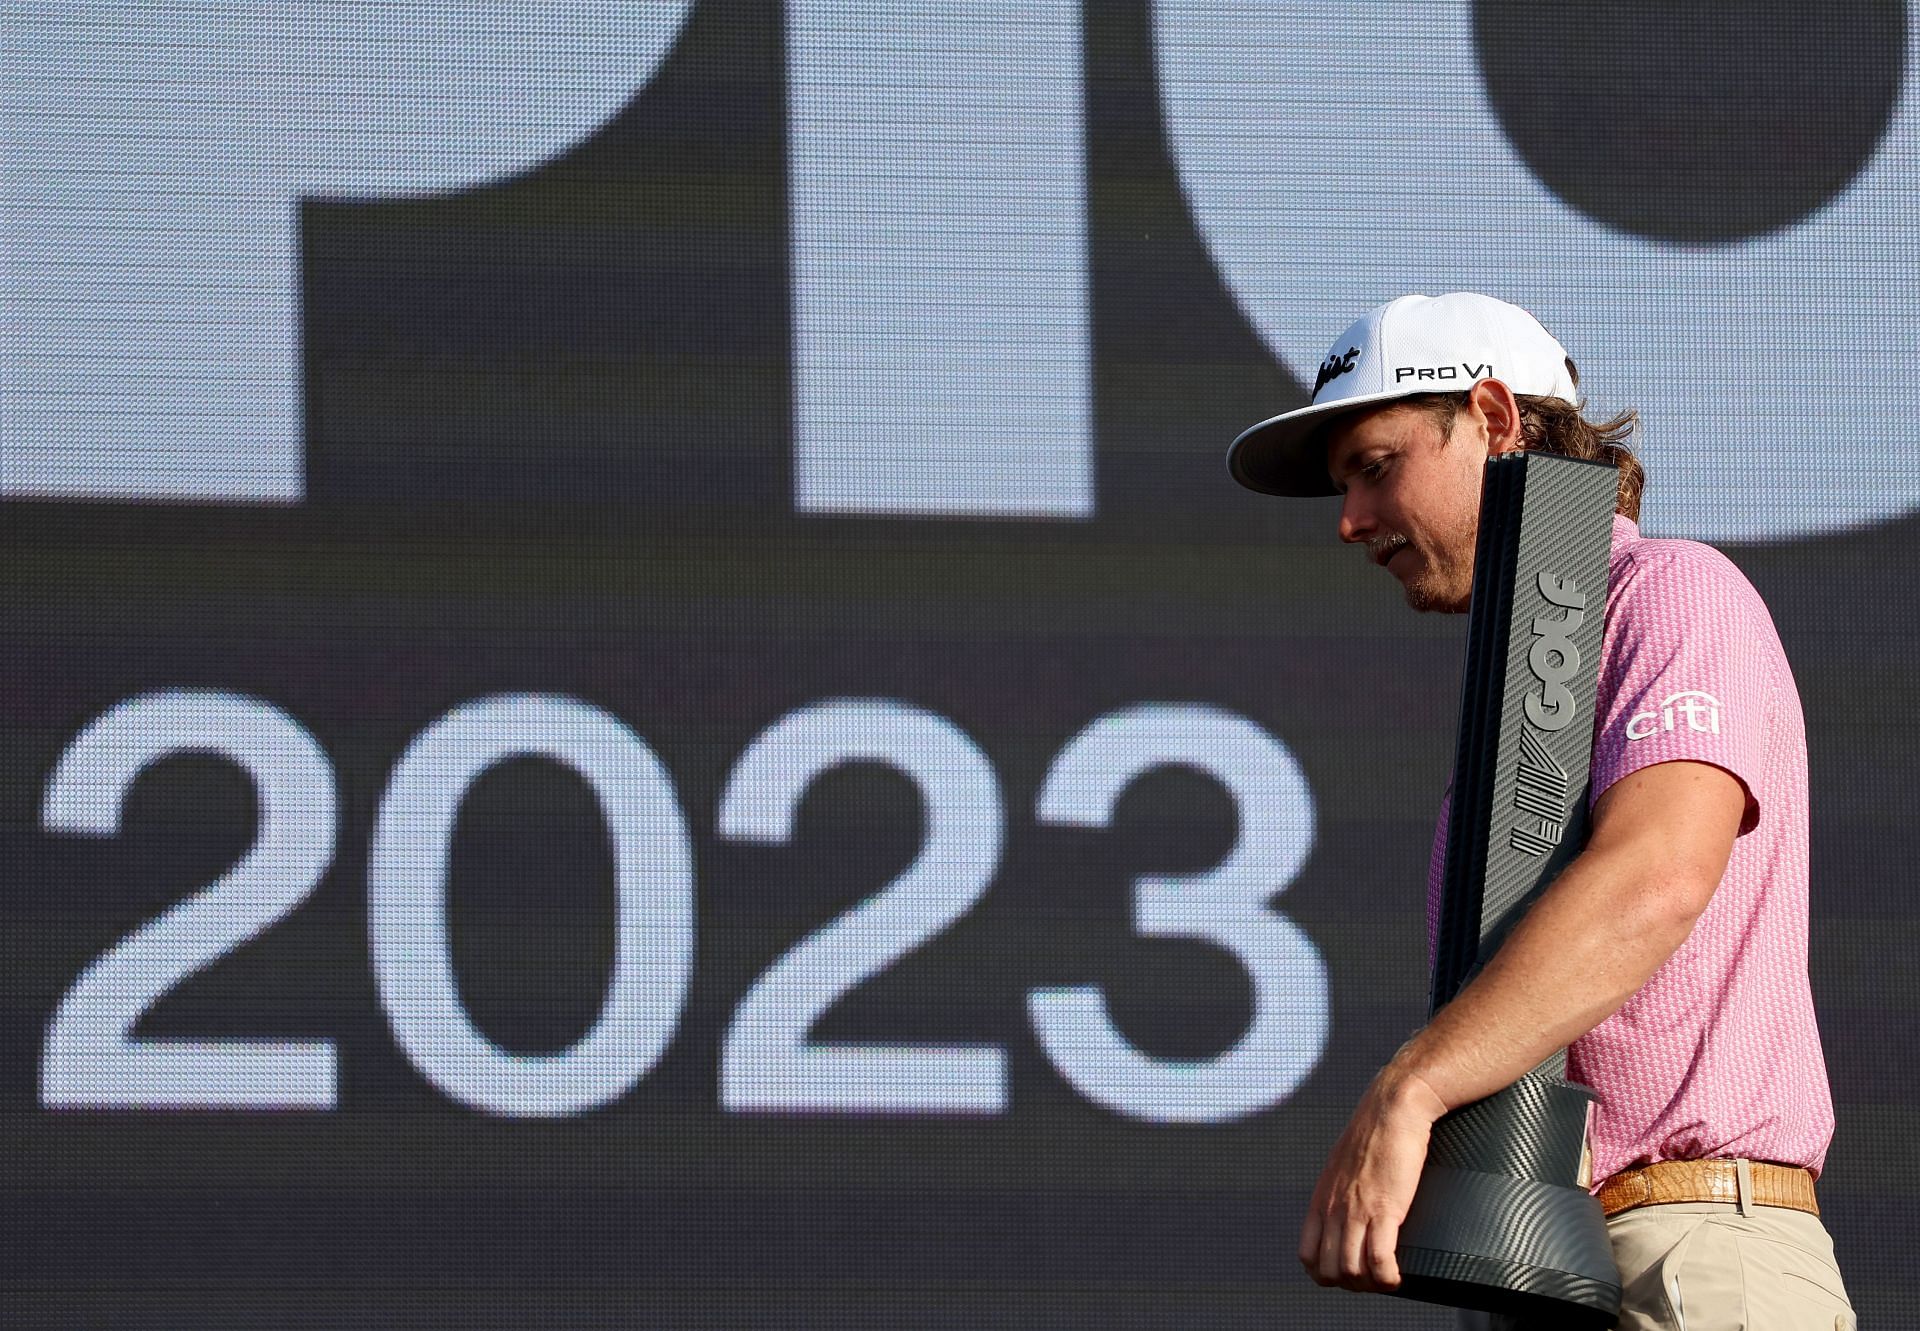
1646	571
1667	591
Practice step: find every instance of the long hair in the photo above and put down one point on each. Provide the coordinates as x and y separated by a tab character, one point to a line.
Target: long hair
1550	425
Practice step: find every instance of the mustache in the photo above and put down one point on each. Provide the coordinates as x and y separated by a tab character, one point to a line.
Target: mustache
1382	548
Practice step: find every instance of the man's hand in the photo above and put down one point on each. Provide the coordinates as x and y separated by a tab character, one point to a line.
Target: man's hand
1353	1223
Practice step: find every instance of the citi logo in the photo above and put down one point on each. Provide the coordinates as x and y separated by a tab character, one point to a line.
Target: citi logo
1333	367
1701	711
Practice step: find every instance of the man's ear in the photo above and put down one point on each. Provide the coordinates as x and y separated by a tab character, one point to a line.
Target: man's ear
1494	404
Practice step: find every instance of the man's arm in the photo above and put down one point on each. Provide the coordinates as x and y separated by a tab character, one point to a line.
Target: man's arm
1660	843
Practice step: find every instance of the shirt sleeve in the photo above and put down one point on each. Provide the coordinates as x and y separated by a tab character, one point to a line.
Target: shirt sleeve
1686	673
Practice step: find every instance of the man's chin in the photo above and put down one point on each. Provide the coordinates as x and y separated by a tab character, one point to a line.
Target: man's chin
1424	596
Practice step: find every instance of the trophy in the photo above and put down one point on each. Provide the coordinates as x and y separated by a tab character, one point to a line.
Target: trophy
1502	1220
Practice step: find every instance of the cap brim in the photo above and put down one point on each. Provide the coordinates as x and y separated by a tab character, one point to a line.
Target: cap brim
1283	457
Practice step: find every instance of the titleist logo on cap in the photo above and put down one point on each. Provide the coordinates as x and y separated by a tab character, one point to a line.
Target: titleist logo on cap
1333	367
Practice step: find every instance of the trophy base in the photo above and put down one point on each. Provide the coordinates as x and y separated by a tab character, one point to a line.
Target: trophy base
1494	1228
1528	1296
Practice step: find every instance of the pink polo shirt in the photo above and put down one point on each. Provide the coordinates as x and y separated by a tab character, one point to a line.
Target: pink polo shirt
1718	1053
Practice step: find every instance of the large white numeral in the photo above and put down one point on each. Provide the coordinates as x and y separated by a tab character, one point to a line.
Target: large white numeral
940	313
1362	131
151	160
91	1058
766	1062
654	911
1227	906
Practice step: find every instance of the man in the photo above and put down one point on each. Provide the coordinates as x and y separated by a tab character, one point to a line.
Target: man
1670	954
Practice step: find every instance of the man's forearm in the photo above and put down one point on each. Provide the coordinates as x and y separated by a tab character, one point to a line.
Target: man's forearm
1597	933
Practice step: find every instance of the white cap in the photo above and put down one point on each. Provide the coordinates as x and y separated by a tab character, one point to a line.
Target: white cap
1416	344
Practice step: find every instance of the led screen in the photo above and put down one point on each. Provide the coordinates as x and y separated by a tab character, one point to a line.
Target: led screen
635	694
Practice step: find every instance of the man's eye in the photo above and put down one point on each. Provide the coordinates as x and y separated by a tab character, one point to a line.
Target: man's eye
1373	470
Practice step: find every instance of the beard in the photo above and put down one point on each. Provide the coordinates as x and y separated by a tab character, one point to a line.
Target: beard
1438	588
1425	595
1434	585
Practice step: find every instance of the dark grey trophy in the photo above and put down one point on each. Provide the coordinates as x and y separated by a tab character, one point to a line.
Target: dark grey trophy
1501	1222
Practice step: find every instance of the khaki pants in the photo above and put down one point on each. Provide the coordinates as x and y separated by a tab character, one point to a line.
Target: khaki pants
1706	1266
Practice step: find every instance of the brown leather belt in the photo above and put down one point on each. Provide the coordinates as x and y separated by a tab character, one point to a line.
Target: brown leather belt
1708	1181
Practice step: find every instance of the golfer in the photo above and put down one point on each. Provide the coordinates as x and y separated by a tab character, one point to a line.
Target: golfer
1670	957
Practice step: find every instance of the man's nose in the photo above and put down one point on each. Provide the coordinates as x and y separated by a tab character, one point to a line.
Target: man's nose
1356	518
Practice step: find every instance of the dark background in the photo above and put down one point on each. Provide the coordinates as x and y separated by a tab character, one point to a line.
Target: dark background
518	483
